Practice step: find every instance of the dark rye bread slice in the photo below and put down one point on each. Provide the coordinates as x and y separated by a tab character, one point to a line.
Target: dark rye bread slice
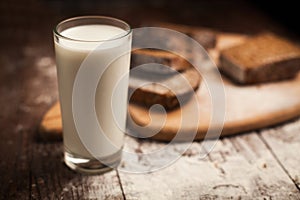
150	37
263	58
206	37
168	91
160	39
145	56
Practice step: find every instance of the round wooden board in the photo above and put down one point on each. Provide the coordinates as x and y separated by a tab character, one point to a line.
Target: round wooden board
247	108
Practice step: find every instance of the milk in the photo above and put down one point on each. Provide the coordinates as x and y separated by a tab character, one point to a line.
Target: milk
69	56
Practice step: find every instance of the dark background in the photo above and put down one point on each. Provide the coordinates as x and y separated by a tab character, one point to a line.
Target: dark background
249	17
284	12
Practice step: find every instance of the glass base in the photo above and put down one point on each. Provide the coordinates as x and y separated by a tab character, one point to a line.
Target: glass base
92	165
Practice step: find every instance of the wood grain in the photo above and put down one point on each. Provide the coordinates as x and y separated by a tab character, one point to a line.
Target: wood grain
284	143
53	180
33	169
238	168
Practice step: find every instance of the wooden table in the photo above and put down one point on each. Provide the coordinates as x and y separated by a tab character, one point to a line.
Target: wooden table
263	164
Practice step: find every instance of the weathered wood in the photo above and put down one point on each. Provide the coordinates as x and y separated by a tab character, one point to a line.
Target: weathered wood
238	168
33	169
50	178
284	143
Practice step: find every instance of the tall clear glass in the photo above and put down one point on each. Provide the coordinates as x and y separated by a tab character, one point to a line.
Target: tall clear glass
89	50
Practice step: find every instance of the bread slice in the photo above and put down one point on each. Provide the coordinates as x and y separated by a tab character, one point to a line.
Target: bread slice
263	58
160	39
167	91
206	37
146	56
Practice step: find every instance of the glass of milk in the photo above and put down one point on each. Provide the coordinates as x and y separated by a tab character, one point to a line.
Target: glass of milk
92	58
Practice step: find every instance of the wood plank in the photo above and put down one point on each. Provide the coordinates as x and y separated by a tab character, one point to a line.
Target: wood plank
31	168
238	168
51	179
284	142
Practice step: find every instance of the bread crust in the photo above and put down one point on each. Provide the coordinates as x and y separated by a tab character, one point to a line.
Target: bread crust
260	59
169	92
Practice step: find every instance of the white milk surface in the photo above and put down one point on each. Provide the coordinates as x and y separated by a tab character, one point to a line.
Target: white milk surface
69	57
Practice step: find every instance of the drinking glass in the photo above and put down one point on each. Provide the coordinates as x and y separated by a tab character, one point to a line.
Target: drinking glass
92	59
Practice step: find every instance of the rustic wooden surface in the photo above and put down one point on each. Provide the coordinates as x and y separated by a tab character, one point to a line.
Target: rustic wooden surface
256	165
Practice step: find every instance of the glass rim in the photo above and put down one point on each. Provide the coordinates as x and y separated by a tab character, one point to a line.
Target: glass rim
55	30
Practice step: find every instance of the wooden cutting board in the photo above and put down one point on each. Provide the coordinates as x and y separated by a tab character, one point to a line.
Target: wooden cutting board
247	107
